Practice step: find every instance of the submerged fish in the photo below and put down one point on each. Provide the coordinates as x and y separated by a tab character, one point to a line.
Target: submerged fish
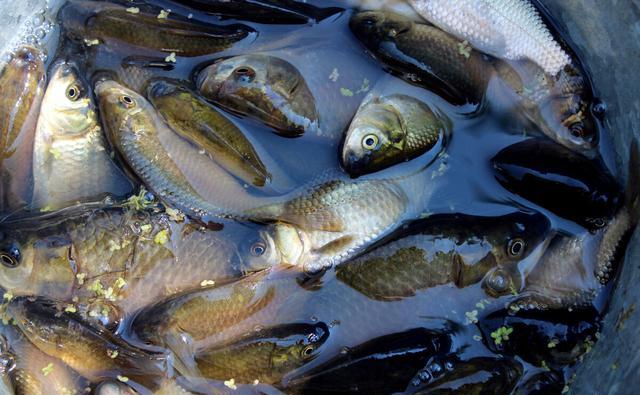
560	180
170	166
392	129
87	20
328	223
506	29
382	365
574	269
91	351
70	145
263	87
424	54
458	249
119	260
23	80
266	355
195	120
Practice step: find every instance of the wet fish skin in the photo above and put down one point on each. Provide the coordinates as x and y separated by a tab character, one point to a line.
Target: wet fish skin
559	179
192	118
506	29
329	222
262	87
83	347
69	144
424	54
267	355
391	129
113	387
86	20
459	249
23	81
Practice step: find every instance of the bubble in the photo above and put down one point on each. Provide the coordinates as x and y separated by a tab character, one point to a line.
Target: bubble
424	376
449	365
40	33
436	369
344	350
38	19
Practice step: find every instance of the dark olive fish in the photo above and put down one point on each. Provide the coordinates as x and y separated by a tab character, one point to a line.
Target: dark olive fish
88	20
197	121
263	87
266	355
458	249
424	54
560	180
264	11
23	82
574	269
476	376
86	349
542	383
382	365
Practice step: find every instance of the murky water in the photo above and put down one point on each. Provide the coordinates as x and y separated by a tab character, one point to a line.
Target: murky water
370	332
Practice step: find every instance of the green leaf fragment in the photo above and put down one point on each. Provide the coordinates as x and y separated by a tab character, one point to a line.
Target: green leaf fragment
161	237
346	92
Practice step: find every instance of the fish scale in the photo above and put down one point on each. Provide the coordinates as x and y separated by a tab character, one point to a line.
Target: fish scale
506	29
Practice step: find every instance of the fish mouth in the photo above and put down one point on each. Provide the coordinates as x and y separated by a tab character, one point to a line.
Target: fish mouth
354	164
206	84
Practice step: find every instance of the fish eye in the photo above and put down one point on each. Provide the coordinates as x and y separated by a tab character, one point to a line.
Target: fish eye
369	20
8	260
7	363
258	248
577	130
370	142
73	92
308	351
244	74
599	109
515	248
127	101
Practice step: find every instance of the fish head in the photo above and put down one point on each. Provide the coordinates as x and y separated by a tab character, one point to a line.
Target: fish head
122	111
264	87
375	138
299	344
376	27
68	107
40	320
113	387
571	122
35	266
277	244
26	59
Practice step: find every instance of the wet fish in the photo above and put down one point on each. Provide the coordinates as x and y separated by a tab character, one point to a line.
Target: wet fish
476	376
266	355
392	129
329	222
458	249
86	349
265	11
574	269
424	54
382	365
119	260
169	165
266	88
88	20
23	81
70	145
567	183
506	29
195	120
113	387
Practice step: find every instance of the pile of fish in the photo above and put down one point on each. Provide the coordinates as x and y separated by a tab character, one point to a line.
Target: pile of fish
153	241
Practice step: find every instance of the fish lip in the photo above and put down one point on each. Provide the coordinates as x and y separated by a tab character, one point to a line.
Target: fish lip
203	82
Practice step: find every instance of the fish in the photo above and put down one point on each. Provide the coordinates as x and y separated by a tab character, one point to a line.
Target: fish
326	223
89	20
119	260
382	365
425	55
113	387
266	88
506	29
87	349
198	122
448	248
266	355
388	130
575	268
70	145
560	180
23	81
550	382
476	376
286	12
170	166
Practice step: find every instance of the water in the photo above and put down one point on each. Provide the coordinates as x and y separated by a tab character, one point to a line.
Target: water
460	321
